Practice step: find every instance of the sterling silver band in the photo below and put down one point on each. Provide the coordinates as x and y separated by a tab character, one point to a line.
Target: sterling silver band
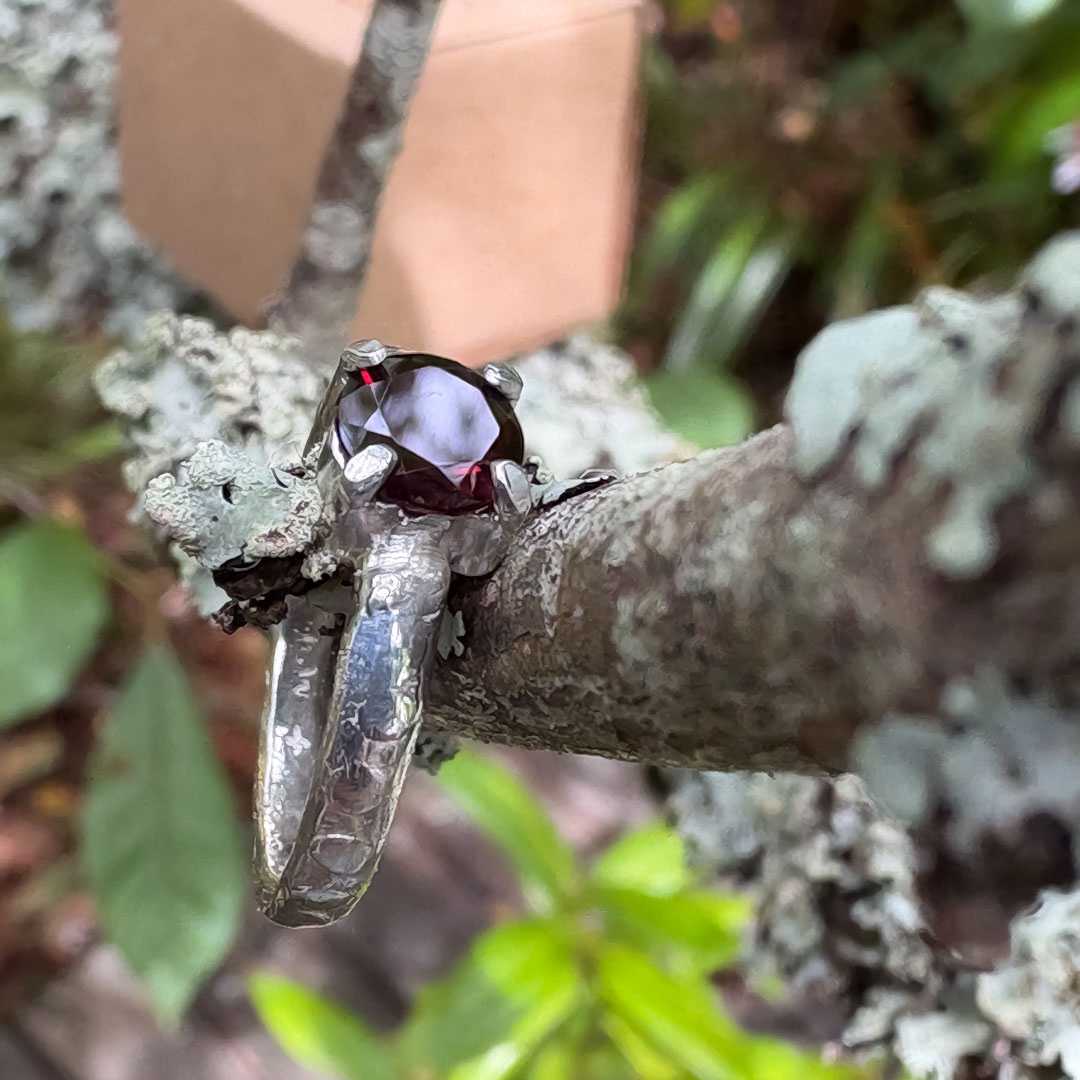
337	798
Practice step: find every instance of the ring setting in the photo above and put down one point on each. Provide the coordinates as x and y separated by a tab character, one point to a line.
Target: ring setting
422	462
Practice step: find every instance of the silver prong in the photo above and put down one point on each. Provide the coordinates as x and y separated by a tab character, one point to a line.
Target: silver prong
364	354
366	472
541	474
505	379
513	494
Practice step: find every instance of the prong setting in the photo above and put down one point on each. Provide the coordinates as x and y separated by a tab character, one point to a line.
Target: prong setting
366	472
505	379
513	494
364	354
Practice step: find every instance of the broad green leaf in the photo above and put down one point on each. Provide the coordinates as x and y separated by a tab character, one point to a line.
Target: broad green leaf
317	1032
160	845
519	982
501	805
694	932
651	859
706	408
53	606
713	287
603	1061
677	1016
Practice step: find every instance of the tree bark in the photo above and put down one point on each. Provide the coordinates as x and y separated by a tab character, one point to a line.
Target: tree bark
888	584
318	300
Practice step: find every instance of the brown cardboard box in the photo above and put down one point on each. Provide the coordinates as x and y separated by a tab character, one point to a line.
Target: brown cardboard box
506	218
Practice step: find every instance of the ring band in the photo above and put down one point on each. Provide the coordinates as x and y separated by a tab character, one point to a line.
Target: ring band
333	818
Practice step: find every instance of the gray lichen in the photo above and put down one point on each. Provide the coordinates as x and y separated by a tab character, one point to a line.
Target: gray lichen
933	1046
833	879
183	383
217	422
583	407
222	506
997	759
837	920
927	381
70	258
1034	997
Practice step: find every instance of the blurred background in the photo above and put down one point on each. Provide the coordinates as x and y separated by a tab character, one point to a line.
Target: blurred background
800	162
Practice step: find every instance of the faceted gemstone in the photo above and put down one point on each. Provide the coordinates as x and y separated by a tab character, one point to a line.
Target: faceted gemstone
444	421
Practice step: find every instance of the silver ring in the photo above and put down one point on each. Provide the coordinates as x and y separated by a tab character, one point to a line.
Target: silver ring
422	461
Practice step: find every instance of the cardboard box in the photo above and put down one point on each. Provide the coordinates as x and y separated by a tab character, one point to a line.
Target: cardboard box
506	220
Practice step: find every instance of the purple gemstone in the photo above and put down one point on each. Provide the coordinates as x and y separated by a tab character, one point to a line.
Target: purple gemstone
446	424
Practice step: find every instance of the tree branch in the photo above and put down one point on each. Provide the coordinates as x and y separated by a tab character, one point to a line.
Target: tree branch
888	583
319	298
754	606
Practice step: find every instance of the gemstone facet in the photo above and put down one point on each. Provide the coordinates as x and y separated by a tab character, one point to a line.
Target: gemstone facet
446	424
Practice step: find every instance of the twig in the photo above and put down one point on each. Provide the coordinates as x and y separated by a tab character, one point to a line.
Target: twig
319	298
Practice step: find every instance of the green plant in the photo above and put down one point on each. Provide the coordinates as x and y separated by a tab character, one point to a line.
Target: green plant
844	157
159	845
606	977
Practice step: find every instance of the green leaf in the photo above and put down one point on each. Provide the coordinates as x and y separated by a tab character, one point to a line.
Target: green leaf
694	932
651	859
677	1016
1021	132
53	606
677	225
680	1020
750	295
161	846
556	1061
90	445
705	408
500	805
688	344
505	1058
317	1033
519	982
646	1061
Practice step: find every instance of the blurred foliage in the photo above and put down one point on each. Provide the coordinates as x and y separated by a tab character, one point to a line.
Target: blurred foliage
161	842
50	419
53	606
813	161
608	977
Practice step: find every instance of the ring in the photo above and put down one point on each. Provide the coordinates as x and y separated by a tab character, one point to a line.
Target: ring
422	463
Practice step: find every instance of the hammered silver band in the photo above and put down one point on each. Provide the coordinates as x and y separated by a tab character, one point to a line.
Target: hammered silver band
326	809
